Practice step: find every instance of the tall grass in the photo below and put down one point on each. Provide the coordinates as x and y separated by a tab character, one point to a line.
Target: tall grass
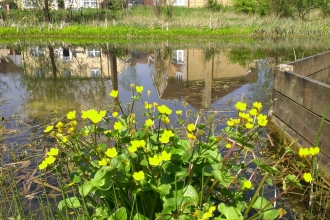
143	17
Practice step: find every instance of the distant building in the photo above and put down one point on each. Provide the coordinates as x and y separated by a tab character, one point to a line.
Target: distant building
189	3
29	4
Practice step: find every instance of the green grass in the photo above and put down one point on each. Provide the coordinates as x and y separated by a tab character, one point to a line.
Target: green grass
141	22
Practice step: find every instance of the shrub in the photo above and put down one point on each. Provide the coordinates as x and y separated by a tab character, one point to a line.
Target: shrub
263	7
245	6
119	169
213	5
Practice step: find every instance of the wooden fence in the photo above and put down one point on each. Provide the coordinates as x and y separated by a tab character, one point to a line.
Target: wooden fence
301	96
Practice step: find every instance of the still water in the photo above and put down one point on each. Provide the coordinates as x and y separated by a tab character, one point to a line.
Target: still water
37	81
41	82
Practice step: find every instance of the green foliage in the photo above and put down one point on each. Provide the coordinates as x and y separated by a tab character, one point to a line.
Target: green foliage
263	7
213	5
124	170
245	6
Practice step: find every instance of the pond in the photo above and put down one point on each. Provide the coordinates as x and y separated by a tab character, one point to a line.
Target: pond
39	82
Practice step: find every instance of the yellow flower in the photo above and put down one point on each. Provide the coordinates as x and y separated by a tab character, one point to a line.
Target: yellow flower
50	160
48	128
114	93
138	175
196	213
191	136
70	130
111	152
84	114
282	212
247	184
244	116
253	112
142	143
163	109
168	133
53	152
139	89
166	120
62	138
71	115
249	125
307	177
59	125
43	165
132	149
230	123
190	127
147	105
103	162
303	152
262	120
237	120
178	112
155	104
241	106
93	115
115	114
155	161
207	215
117	125
314	151
212	209
257	105
73	123
228	145
148	92
184	104
107	132
132	85
165	156
135	143
149	123
164	139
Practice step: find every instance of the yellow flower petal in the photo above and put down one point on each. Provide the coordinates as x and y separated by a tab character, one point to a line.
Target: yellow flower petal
111	152
307	177
166	156
117	125
247	184
50	160
190	127
103	162
114	93
138	175
53	152
241	106
139	89
154	161
48	128
71	115
43	165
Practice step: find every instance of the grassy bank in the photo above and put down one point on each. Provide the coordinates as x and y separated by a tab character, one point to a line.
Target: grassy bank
141	22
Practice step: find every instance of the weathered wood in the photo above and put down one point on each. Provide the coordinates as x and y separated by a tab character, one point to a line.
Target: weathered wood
313	64
303	121
287	135
322	76
307	92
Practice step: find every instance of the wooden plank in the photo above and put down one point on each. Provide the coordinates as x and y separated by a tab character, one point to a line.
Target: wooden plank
312	64
307	92
322	76
303	121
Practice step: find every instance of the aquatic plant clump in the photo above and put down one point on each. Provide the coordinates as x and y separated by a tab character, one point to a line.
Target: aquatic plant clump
117	167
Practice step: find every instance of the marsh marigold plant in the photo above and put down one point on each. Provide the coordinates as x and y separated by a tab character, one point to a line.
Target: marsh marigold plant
117	167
